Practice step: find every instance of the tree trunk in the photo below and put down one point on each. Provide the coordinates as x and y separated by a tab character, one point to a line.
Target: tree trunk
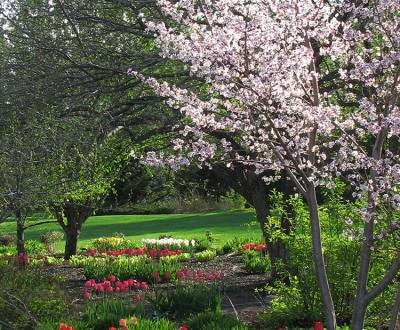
360	303
259	201
71	242
395	311
276	248
20	233
76	214
320	268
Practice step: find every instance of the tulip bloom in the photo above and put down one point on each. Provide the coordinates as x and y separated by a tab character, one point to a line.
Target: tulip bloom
318	326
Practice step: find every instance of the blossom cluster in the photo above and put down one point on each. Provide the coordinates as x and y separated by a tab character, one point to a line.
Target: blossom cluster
111	285
169	241
199	276
64	326
264	63
253	246
23	258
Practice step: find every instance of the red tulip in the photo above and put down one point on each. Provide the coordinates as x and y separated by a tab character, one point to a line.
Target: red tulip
318	326
167	275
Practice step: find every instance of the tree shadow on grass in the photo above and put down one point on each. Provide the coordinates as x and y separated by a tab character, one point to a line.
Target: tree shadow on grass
185	223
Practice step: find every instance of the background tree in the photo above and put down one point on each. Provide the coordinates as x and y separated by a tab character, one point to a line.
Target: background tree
26	139
84	171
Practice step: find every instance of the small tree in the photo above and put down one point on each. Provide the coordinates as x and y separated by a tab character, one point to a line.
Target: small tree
84	172
311	87
26	139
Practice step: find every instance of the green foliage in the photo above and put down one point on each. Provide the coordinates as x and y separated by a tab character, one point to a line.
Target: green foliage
183	257
235	245
53	325
288	308
45	262
231	200
209	320
111	243
188	298
34	248
146	324
206	255
202	245
30	296
139	267
299	302
106	312
254	263
8	250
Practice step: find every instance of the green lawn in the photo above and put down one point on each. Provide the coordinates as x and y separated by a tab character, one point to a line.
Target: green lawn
224	225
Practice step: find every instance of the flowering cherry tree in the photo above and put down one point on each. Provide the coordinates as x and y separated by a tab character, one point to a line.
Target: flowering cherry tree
308	87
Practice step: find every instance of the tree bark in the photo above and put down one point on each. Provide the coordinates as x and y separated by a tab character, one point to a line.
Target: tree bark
360	302
20	232
320	268
71	242
76	215
395	311
276	247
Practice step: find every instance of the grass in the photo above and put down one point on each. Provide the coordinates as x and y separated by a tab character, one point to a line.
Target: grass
224	225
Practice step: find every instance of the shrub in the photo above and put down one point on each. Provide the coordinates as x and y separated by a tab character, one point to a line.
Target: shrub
214	321
288	309
30	296
254	263
50	238
8	250
206	255
202	245
188	298
7	239
299	303
34	248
